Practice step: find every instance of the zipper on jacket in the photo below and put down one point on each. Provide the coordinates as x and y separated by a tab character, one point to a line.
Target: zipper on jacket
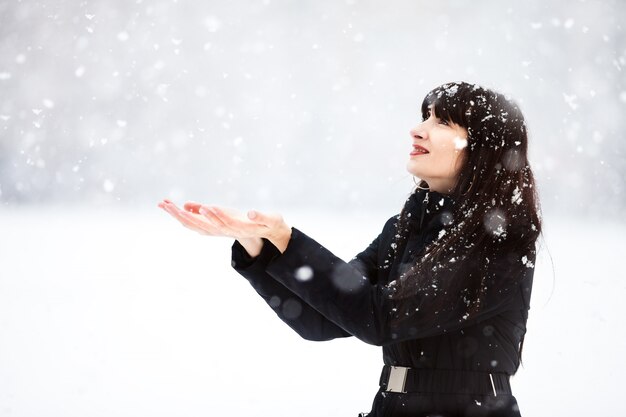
424	205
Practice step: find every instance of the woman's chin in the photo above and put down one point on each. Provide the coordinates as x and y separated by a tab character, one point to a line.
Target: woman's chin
411	168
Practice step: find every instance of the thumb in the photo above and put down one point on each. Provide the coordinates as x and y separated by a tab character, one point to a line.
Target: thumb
259	218
266	219
253	215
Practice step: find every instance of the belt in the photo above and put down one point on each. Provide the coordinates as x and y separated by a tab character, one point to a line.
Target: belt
406	380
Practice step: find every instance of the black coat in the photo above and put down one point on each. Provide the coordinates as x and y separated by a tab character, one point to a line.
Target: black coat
322	297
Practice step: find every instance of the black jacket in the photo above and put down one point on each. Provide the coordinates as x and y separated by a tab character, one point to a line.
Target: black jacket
322	297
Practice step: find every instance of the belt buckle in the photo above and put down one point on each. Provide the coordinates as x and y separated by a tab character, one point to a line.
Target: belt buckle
397	379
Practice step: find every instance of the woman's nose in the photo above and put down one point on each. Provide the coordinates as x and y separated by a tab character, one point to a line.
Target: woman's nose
418	133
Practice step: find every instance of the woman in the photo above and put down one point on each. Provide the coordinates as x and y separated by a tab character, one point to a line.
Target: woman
444	289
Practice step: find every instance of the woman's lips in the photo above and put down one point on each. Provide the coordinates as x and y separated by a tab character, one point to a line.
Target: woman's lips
418	150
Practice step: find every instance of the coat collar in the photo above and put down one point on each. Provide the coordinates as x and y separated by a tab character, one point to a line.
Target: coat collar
425	206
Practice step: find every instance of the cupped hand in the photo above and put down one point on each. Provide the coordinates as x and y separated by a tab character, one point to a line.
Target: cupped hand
221	221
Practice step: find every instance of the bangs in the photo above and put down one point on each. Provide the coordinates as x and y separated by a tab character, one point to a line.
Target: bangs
449	102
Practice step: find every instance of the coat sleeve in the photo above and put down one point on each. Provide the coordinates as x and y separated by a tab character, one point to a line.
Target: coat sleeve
289	307
347	297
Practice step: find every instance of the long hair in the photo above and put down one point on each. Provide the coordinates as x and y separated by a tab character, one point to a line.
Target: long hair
496	207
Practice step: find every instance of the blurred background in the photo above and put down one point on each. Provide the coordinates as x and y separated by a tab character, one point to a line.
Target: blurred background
289	103
108	307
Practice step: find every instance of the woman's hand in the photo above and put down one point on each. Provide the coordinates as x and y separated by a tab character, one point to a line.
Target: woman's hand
220	221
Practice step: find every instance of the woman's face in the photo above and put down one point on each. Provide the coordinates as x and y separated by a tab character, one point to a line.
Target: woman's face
444	144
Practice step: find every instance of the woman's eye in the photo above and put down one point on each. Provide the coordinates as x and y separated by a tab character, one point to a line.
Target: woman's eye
443	122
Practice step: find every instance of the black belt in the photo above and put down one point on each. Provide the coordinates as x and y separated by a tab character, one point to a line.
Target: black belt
449	381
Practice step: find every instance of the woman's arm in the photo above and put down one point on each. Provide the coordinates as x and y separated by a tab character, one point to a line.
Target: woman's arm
252	245
250	255
309	323
346	293
341	292
290	308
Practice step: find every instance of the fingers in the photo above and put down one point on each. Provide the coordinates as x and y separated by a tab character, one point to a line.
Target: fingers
189	220
192	207
212	215
200	224
219	216
222	221
172	210
233	221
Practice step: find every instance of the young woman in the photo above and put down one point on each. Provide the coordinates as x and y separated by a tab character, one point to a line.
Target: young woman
445	287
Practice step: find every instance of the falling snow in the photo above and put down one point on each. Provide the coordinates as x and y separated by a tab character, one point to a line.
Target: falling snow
517	196
460	143
527	262
304	273
108	186
121	102
570	99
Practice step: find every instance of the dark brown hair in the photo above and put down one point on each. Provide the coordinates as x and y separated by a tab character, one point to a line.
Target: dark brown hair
496	207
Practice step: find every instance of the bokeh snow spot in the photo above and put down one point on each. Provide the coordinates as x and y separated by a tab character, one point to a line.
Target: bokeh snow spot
274	301
495	222
460	143
212	23
304	273
571	100
108	185
79	72
446	218
344	278
513	160
292	309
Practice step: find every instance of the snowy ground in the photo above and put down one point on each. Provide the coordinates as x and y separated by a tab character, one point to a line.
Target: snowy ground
126	313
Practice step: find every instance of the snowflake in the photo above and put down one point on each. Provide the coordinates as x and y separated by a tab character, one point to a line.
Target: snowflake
517	196
451	91
527	262
460	143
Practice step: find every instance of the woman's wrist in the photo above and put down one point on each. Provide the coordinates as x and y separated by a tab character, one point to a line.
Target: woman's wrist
252	245
281	237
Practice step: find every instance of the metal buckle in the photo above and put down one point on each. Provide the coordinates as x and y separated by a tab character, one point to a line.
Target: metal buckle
397	379
493	386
